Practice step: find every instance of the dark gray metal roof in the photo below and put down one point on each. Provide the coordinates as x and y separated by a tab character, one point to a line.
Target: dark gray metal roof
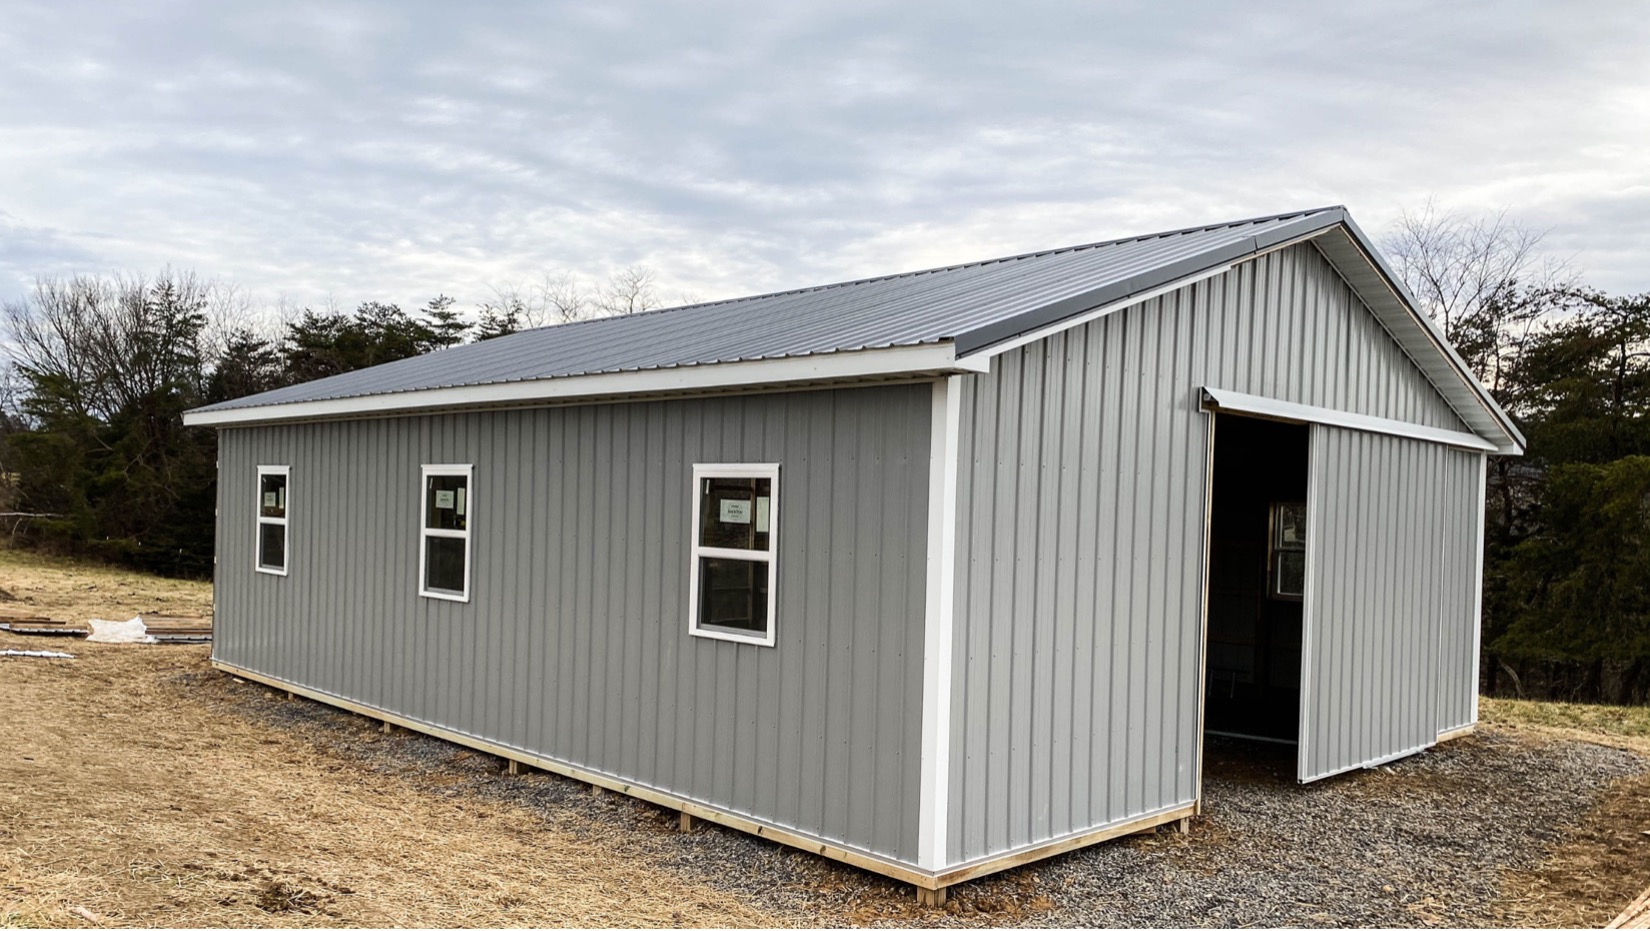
974	306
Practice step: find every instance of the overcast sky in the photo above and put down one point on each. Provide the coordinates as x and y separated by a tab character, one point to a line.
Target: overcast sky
391	151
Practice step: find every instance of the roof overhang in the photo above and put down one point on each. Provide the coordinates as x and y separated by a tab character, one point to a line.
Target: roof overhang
818	370
1360	264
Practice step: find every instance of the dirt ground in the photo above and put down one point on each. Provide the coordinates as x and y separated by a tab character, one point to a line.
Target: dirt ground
1603	863
140	787
126	803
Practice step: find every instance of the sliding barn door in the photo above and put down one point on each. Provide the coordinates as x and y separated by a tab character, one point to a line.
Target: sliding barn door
1390	600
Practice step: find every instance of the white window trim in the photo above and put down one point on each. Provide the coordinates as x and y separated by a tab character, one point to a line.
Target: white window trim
702	471
425	531
258	527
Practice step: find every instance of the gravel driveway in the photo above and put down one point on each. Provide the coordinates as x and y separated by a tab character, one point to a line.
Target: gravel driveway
1419	842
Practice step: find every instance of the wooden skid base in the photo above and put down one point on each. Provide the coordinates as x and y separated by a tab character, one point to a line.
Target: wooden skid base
691	811
1636	915
1458	732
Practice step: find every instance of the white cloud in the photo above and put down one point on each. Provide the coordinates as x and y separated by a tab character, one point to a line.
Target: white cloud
392	151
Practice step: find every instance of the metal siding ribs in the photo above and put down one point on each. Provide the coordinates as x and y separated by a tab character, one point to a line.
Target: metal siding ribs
574	645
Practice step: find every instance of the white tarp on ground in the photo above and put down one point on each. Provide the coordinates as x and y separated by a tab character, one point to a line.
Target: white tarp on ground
38	654
131	631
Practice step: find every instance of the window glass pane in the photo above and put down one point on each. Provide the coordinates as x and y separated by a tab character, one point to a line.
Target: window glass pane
272	546
735	513
1290	526
733	593
444	564
272	495
446	502
1291	573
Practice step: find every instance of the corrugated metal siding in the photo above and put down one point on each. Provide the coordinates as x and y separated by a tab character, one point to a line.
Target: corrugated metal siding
1080	534
1389	603
1462	480
574	644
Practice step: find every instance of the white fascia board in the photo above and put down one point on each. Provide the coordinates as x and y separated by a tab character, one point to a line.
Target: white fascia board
1086	316
1396	309
931	359
939	626
1222	400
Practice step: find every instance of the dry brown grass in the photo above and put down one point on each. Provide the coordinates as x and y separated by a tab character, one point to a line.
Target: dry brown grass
128	801
66	590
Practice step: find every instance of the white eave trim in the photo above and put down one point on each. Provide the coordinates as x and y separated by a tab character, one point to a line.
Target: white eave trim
930	359
1401	316
1220	399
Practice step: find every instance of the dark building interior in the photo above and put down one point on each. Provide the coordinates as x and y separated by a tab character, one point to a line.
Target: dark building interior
1257	564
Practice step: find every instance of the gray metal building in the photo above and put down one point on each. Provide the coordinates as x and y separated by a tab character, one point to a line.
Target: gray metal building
935	573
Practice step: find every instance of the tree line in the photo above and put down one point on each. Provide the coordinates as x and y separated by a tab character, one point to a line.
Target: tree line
93	451
94	458
1567	525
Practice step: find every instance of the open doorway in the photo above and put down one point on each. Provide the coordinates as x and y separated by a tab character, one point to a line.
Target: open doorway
1257	572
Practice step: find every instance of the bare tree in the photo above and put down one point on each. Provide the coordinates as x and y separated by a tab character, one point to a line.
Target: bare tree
563	296
628	291
563	299
95	346
1481	278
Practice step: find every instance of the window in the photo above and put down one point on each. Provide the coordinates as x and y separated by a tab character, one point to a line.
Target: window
735	546
270	546
444	552
1288	550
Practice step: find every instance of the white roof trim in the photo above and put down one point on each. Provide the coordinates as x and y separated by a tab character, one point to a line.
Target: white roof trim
1345	247
936	359
1219	399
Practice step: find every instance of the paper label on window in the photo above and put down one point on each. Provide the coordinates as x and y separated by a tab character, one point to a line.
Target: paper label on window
460	505
762	515
735	512
444	500
269	499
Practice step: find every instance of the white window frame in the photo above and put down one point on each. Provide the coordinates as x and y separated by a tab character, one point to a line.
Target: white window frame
285	471
425	531
705	470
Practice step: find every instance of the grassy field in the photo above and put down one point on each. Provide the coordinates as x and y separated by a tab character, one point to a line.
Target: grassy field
68	590
1628	724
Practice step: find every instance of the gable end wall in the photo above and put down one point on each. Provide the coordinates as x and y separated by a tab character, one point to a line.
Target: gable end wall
1083	457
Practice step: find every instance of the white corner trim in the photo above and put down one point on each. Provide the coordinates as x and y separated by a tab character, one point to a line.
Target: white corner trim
934	358
939	625
997	349
1478	586
1236	402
